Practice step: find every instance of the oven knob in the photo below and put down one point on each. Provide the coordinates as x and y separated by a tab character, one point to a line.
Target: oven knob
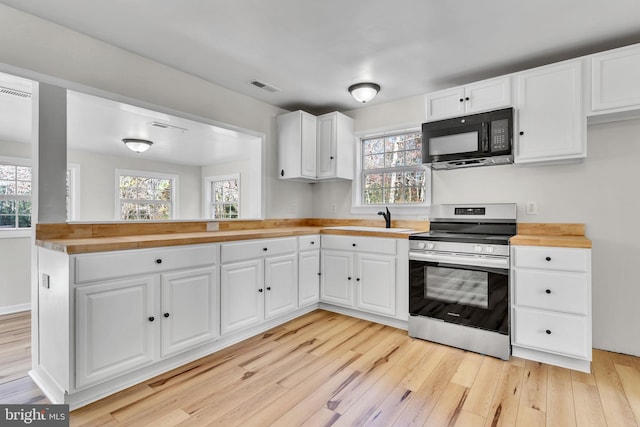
477	248
421	245
489	249
431	246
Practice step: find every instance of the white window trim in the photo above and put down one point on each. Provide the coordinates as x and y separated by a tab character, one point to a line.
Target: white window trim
18	232
146	174
402	210
207	192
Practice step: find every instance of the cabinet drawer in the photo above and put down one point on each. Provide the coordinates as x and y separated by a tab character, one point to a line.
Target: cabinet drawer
238	251
379	245
549	258
553	332
306	243
552	290
110	265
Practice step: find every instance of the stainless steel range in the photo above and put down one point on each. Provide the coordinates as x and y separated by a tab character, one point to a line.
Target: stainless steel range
459	277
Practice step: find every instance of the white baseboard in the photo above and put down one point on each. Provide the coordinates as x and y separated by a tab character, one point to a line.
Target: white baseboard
15	308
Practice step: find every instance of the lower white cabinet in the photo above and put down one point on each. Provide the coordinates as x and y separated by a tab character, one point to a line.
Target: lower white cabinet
363	277
255	289
551	305
308	270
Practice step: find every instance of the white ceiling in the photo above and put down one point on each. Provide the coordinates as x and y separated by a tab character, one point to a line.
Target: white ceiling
313	50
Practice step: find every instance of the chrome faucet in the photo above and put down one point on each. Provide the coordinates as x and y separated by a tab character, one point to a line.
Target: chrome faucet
387	218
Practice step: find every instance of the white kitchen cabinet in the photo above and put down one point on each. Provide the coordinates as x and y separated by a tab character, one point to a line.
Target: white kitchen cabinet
259	280
359	272
473	98
297	145
615	86
115	328
308	270
315	148
335	146
551	305
189	307
550	115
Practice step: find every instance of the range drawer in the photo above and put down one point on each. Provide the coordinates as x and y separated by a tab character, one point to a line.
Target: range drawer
552	290
306	243
549	258
111	265
554	332
251	249
378	245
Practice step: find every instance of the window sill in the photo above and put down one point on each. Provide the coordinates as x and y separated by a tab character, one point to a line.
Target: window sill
415	211
16	234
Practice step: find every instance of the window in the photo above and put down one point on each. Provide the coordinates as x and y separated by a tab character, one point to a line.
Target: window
223	196
145	195
15	195
391	172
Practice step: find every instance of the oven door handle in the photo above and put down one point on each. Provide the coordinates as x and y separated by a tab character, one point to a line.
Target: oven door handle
461	259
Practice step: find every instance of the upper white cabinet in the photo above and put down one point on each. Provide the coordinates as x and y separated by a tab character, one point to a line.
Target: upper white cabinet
551	121
314	148
469	99
615	86
297	145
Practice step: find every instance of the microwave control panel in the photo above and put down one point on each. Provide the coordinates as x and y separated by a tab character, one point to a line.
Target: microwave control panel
499	135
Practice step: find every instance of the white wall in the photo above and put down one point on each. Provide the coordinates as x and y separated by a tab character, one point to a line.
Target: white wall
602	192
97	183
15	253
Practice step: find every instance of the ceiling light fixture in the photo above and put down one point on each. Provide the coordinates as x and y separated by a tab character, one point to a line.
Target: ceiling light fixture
364	92
137	145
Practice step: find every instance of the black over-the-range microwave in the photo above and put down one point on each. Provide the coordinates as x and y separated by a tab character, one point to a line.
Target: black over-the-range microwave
476	140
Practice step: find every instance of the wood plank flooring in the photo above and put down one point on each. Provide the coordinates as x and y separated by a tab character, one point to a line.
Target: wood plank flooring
327	369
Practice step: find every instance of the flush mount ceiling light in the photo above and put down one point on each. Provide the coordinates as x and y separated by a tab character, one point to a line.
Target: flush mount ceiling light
137	145
364	92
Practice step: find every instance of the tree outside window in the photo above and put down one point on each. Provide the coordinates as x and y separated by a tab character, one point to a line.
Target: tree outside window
15	196
392	171
224	197
145	197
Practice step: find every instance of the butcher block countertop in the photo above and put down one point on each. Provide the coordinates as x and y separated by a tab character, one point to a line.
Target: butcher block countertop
557	235
86	238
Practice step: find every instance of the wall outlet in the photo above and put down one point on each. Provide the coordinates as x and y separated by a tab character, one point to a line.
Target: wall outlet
293	208
333	207
212	226
532	208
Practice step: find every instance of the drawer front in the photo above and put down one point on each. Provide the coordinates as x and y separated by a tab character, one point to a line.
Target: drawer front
552	290
554	332
251	249
548	258
111	265
306	243
379	245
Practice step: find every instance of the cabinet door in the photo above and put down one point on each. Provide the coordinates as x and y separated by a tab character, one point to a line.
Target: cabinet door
336	279
241	295
326	140
488	95
376	283
189	309
116	328
281	285
445	103
309	277
615	79
309	138
552	125
297	145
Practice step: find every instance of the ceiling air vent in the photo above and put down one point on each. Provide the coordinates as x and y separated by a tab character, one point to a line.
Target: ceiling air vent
14	92
265	86
166	126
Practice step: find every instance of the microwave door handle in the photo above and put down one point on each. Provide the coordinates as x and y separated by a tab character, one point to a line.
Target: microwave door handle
485	138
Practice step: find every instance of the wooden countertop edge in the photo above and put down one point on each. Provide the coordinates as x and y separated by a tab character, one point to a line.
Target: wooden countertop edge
551	240
104	244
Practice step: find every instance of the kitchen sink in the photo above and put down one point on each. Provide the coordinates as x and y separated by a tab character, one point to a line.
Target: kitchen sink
375	229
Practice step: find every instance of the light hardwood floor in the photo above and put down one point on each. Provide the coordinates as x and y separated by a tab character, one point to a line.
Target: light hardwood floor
328	369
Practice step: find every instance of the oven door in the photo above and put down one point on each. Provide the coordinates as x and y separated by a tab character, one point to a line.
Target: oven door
463	289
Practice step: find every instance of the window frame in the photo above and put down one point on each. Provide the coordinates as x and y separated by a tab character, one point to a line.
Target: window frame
146	174
399	209
208	181
9	233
